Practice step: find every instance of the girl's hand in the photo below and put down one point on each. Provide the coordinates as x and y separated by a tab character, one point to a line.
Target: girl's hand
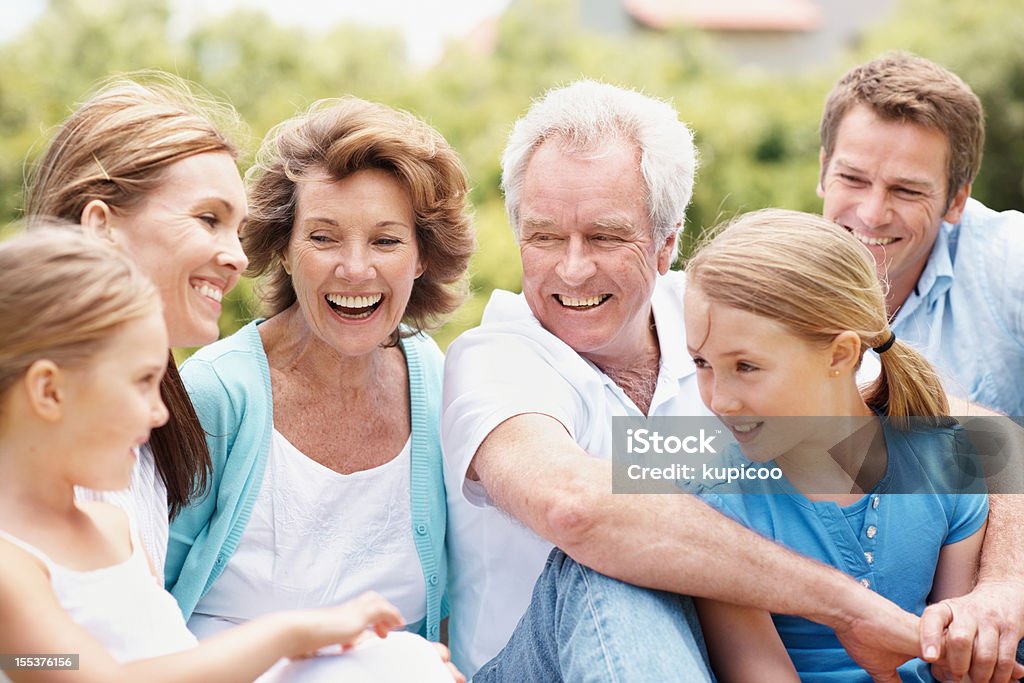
346	623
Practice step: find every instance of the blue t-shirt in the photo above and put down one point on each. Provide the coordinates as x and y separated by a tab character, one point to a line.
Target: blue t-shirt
890	542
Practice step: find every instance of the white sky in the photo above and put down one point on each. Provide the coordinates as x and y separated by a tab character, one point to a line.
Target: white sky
426	24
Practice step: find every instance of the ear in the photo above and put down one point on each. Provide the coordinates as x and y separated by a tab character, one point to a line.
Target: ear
421	266
285	263
97	219
956	208
43	383
821	174
845	352
667	253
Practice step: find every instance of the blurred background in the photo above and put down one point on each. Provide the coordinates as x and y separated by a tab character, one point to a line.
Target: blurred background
750	77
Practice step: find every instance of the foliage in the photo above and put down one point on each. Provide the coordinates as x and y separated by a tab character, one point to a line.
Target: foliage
756	131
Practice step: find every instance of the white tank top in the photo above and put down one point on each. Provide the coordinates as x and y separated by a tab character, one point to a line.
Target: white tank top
317	537
122	605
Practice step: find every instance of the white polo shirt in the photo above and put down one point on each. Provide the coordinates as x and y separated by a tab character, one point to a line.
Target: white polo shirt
509	366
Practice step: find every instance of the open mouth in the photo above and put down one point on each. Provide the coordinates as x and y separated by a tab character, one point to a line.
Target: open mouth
209	291
354	307
744	431
582	303
869	241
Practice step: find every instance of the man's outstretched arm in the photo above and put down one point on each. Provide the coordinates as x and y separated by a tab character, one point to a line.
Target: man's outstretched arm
534	471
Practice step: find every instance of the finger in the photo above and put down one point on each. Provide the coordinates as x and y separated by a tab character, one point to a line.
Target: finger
934	621
960	645
446	655
456	674
986	655
1007	668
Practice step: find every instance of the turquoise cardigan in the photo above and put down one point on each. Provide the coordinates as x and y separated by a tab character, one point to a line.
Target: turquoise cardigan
229	383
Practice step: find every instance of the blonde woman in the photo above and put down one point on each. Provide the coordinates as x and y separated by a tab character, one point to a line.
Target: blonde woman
148	165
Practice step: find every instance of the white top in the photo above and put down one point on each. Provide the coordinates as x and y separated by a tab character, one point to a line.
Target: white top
508	366
123	606
145	501
399	658
317	537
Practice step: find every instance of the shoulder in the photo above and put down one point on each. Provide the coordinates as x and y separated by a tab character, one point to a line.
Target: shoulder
993	240
236	364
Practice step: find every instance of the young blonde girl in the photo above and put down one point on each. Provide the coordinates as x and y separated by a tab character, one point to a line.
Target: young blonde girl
83	348
780	309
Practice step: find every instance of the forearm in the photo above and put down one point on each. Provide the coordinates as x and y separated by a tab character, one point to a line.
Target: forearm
1002	555
238	654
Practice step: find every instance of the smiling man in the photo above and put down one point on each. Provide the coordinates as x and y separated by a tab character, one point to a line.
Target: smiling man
596	181
901	143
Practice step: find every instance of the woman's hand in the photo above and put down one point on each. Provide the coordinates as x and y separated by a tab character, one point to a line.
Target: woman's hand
446	657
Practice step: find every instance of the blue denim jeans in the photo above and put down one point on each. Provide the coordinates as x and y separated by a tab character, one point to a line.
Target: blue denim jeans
583	626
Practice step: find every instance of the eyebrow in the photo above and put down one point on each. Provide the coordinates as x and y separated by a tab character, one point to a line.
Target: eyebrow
738	352
335	224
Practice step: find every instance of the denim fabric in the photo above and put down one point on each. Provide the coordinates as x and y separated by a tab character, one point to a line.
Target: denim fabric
582	626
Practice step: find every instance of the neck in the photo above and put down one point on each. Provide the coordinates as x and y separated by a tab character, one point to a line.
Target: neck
292	348
30	481
636	373
900	289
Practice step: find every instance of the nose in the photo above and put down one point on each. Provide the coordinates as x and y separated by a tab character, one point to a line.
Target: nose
355	264
576	264
873	210
158	412
723	400
232	255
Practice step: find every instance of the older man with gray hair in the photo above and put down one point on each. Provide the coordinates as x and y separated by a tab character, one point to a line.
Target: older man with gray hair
597	179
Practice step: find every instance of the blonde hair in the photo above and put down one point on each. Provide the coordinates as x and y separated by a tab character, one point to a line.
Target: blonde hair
63	295
117	144
116	147
340	137
816	279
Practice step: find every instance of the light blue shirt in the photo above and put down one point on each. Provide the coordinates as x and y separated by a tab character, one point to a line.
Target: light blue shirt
889	541
966	314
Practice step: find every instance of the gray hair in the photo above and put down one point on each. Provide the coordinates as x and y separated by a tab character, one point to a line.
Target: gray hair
586	115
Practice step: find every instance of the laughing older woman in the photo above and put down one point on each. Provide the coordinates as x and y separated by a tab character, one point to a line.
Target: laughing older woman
324	417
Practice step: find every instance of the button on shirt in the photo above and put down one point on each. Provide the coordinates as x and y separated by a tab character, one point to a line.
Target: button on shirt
509	366
966	314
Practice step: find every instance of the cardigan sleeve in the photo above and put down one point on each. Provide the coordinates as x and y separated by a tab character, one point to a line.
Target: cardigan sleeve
220	420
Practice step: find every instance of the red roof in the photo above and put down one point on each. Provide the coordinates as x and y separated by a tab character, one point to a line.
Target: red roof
727	15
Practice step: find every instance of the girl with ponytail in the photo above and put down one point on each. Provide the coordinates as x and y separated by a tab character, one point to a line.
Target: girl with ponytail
780	308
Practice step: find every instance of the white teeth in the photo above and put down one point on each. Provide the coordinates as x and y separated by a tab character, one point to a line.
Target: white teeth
573	302
749	427
209	291
873	241
354	301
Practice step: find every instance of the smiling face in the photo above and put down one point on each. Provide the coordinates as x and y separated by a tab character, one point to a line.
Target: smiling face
589	261
353	258
113	402
750	368
886	182
184	236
